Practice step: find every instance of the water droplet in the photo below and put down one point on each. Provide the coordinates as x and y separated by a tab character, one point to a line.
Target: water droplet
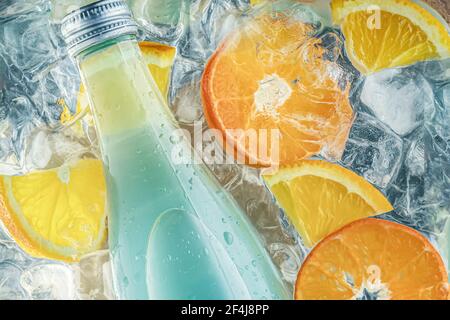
126	282
174	139
228	238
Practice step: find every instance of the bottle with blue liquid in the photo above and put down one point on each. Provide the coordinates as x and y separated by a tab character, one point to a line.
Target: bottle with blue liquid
174	233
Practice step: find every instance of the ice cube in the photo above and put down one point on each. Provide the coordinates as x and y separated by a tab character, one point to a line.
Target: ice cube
49	282
162	20
10	8
162	12
186	102
398	97
436	71
373	151
24	277
421	191
94	279
446	96
10	288
37	82
289	258
9	252
415	158
407	191
27	42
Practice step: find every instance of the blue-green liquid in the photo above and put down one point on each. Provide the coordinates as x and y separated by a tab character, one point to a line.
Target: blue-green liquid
175	234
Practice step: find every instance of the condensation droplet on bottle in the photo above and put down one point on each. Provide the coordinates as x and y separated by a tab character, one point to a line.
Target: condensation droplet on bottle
174	139
125	282
228	237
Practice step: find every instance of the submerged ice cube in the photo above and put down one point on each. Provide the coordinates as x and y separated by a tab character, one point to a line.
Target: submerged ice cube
398	97
373	151
37	82
421	191
94	277
24	277
49	282
10	288
26	41
446	96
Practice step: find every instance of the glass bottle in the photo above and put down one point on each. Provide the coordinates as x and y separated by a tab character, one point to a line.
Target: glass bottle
174	233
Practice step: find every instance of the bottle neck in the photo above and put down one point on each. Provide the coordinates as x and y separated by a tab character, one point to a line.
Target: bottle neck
122	93
102	45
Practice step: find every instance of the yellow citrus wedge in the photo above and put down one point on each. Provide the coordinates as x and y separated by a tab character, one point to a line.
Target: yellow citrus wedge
159	59
389	33
56	214
373	259
320	197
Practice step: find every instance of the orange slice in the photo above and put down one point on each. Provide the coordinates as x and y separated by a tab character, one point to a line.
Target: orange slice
320	197
271	76
373	259
390	33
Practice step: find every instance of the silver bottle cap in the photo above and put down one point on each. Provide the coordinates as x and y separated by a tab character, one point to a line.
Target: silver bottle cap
95	23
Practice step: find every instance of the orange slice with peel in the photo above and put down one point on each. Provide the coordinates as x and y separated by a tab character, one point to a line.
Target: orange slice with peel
373	259
271	76
390	33
320	197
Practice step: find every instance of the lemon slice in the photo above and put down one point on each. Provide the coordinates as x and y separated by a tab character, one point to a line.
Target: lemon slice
56	214
320	197
389	33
